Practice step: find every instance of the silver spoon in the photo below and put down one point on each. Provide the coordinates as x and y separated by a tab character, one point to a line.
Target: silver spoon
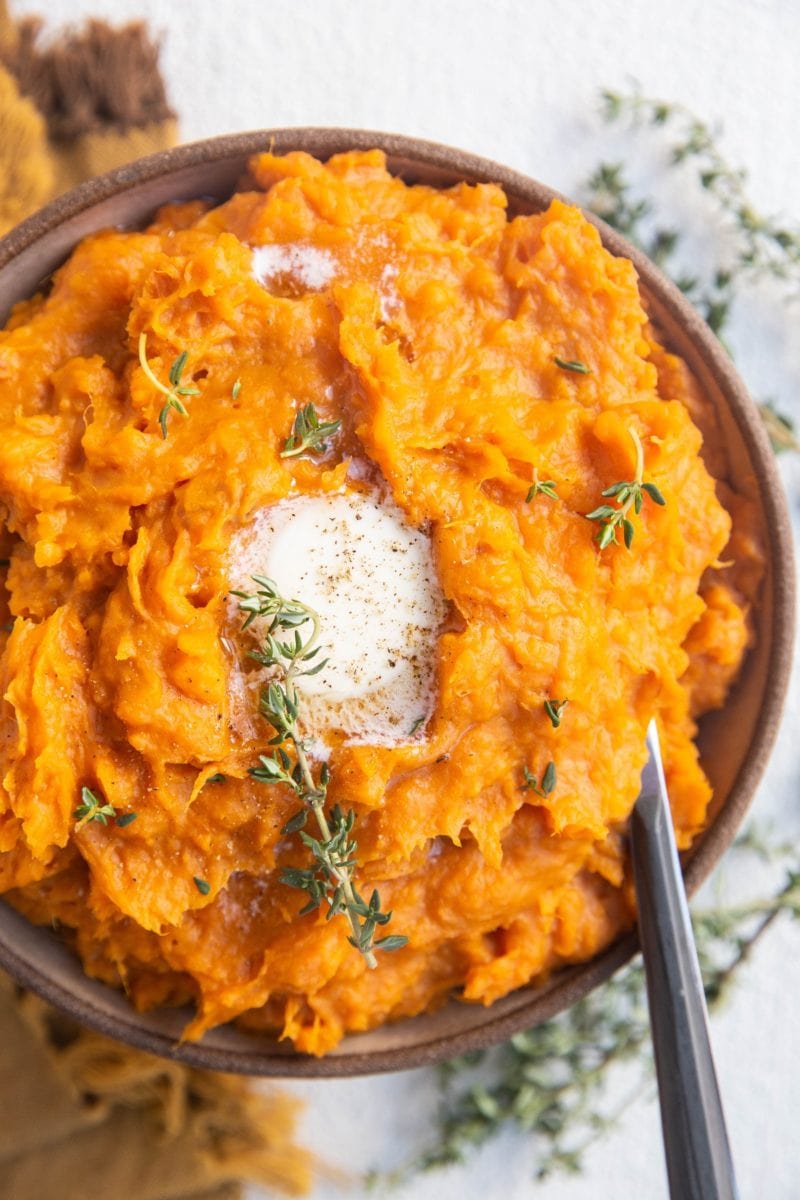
699	1163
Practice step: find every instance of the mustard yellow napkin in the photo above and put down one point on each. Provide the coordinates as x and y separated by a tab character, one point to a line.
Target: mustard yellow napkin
84	1116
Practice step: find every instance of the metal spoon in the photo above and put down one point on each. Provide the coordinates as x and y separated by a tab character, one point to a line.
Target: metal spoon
699	1164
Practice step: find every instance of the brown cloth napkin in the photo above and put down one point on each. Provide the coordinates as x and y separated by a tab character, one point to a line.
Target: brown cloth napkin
73	107
83	1117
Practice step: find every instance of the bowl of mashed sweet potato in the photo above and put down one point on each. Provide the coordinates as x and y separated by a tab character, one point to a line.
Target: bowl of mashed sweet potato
521	485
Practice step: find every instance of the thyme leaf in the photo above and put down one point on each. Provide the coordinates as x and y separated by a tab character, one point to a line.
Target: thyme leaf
572	364
555	710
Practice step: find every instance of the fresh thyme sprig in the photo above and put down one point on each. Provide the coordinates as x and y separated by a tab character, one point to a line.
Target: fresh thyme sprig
753	247
550	1081
309	435
92	808
330	879
546	1082
628	495
176	389
765	245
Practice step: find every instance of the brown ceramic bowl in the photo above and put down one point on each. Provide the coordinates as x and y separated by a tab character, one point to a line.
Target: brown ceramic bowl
734	742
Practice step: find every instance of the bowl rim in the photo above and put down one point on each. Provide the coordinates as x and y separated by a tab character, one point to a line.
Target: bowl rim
572	983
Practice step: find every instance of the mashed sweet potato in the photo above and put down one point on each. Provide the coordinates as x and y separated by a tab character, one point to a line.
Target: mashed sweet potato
429	324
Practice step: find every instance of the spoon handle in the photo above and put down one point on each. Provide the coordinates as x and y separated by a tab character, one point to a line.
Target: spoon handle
699	1163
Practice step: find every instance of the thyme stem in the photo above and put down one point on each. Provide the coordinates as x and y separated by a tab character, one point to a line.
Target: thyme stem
176	389
331	879
315	799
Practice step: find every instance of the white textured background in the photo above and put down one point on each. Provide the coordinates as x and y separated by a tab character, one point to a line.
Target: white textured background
517	80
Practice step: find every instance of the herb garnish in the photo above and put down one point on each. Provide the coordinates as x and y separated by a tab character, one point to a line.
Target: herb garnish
92	808
331	878
309	435
766	247
755	246
236	389
554	710
627	495
541	487
572	364
781	429
550	1080
547	785
176	389
202	885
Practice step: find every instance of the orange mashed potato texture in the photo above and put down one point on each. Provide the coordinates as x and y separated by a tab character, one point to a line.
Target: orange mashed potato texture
433	340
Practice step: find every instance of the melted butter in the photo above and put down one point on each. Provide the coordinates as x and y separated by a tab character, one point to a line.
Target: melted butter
308	267
371	578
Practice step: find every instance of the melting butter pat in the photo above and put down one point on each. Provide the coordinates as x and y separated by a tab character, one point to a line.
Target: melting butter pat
371	578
